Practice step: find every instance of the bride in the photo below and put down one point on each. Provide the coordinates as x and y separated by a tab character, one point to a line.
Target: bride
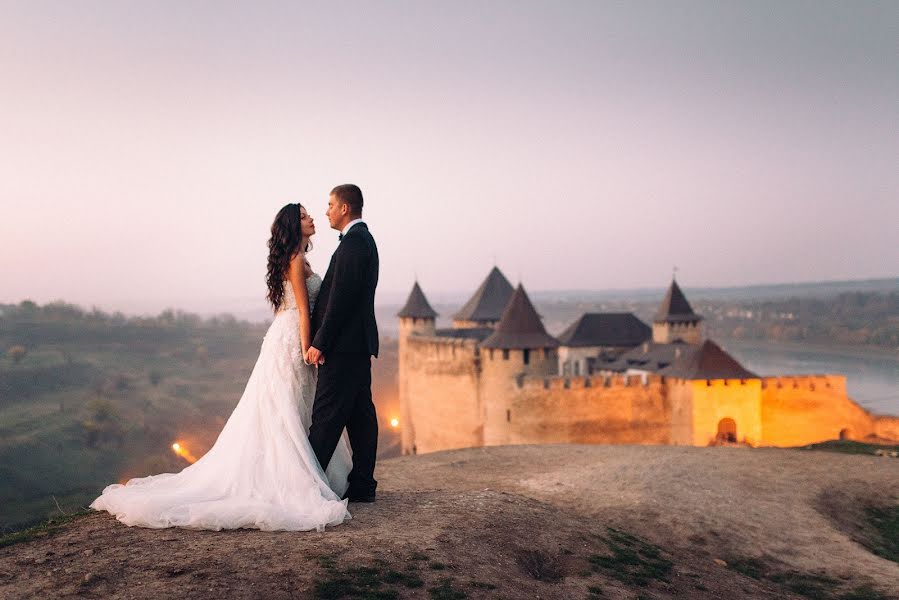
261	472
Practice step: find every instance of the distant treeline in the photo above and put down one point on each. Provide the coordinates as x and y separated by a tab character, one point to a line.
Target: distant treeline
55	312
856	318
29	325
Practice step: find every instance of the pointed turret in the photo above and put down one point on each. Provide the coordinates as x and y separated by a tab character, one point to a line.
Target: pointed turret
417	306
675	319
675	308
520	326
518	347
417	321
485	307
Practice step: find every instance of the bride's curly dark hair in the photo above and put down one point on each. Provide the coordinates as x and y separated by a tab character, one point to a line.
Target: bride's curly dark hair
285	243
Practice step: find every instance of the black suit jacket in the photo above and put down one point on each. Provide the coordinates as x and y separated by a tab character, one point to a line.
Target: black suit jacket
343	321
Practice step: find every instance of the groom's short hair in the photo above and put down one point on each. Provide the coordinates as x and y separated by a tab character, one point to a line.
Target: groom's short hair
350	195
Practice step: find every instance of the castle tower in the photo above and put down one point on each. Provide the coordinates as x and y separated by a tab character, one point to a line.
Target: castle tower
676	319
416	318
485	307
519	346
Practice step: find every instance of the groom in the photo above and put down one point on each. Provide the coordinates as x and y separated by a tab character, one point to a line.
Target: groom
345	337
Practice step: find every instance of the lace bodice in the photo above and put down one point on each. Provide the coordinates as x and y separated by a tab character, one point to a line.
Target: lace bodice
313	287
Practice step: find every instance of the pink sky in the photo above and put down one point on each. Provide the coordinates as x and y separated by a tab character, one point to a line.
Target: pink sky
145	147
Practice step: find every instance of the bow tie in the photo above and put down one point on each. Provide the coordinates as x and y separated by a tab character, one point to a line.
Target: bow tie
339	237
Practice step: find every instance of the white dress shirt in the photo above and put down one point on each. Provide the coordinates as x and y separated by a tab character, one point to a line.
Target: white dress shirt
350	224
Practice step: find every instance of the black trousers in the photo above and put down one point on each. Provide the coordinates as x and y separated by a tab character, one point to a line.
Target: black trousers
343	399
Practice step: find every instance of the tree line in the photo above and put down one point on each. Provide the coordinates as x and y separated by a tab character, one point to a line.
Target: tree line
853	318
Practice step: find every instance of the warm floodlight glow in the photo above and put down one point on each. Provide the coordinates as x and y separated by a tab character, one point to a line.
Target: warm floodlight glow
181	451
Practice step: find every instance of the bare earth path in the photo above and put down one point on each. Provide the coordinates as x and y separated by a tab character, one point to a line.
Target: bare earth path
517	522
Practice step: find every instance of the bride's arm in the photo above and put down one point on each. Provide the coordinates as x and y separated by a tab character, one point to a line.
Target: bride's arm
297	276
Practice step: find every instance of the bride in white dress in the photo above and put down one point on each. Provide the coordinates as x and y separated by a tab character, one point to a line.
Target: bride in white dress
261	472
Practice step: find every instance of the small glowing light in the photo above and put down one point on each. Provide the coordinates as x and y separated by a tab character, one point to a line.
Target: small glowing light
394	422
181	451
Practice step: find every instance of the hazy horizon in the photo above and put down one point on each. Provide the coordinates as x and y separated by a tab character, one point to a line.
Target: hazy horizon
448	301
145	148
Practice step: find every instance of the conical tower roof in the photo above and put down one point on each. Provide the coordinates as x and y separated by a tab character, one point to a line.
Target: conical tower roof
417	306
675	308
709	361
488	302
520	326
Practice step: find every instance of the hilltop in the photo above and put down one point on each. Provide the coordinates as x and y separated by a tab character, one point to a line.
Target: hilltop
525	522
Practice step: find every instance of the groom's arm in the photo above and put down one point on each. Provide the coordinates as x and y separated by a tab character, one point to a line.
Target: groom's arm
346	287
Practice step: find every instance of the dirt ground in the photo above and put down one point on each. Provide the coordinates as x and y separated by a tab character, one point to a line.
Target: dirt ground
629	522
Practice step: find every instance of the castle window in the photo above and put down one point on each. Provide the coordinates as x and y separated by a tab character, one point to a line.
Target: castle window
505	354
527	356
546	353
577	368
491	354
508	416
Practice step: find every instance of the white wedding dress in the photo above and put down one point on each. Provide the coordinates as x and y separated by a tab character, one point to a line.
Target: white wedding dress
261	472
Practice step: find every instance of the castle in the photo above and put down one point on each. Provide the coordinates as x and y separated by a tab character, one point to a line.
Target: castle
497	377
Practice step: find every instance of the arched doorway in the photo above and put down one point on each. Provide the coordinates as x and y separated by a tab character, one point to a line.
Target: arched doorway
727	431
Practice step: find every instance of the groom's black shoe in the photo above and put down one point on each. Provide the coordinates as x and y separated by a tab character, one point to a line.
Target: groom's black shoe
359	497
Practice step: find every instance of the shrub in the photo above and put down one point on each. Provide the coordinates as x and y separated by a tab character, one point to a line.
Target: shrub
17	353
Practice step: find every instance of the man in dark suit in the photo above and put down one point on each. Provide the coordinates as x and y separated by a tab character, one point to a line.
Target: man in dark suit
345	337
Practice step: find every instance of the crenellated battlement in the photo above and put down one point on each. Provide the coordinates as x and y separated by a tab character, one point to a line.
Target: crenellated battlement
444	347
568	382
716	383
830	382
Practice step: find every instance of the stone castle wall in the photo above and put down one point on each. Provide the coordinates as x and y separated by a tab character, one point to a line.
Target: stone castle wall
588	410
502	370
886	427
665	333
442	408
807	409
